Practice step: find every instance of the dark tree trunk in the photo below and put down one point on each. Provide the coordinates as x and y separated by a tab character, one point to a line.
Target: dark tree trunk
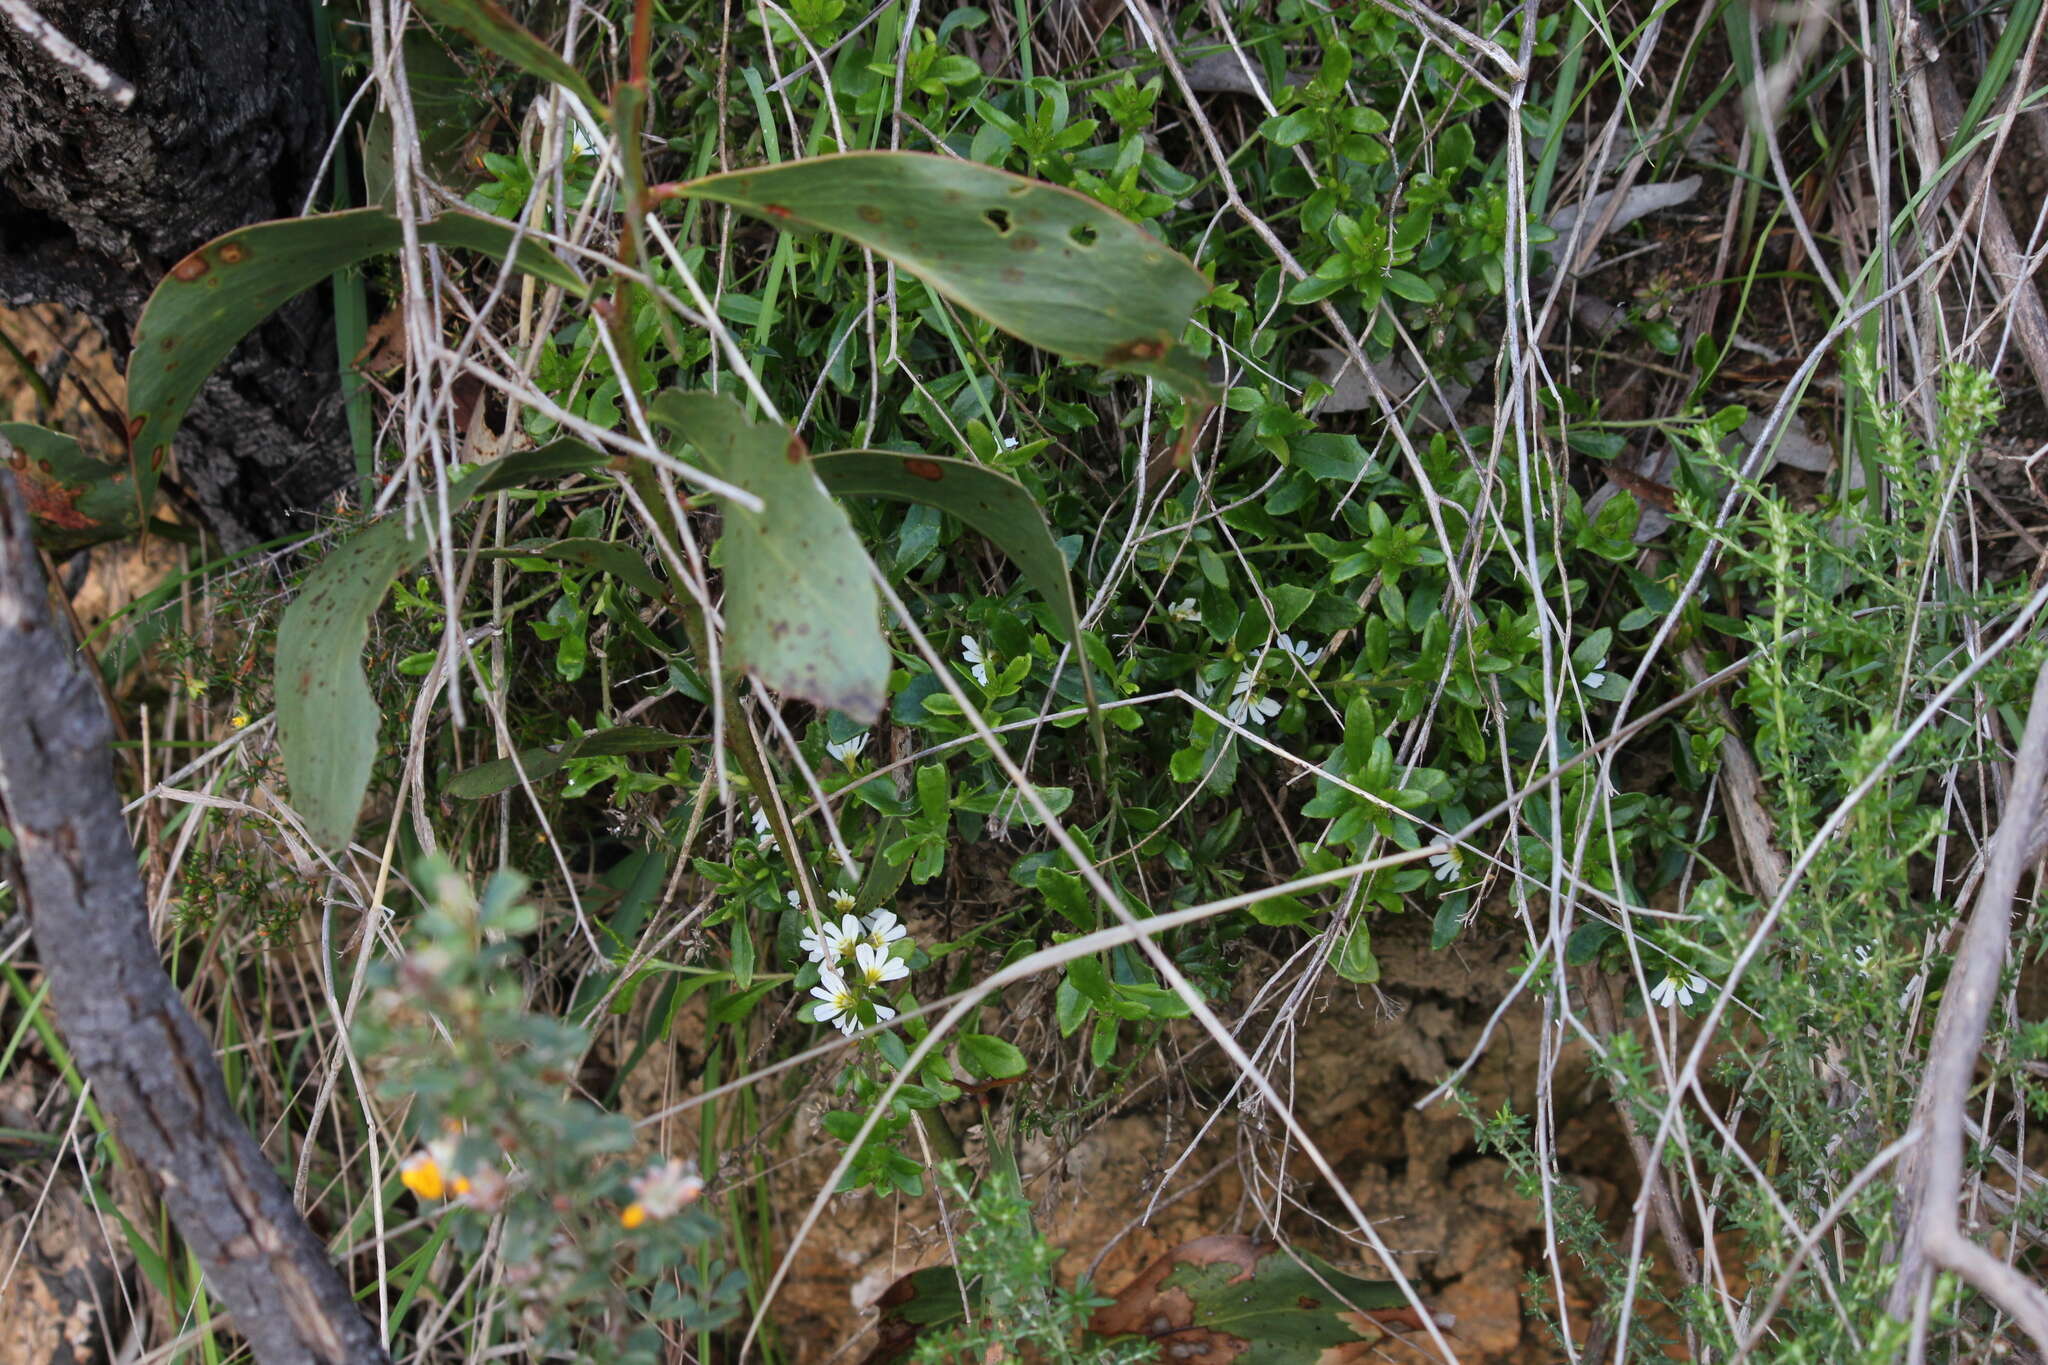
96	203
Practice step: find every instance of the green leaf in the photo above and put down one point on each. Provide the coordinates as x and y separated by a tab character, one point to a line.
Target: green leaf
76	500
488	23
1354	960
1412	287
1047	265
990	1057
800	610
488	779
605	556
994	504
1232	1298
326	718
221	292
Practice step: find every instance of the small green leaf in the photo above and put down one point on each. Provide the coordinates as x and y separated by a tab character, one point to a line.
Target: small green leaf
1412	287
990	1057
800	610
1355	961
1047	265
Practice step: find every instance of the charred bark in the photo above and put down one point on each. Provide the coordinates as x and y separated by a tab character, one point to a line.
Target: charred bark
97	202
150	1066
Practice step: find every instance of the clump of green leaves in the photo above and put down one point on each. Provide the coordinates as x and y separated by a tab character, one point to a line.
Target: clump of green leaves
600	1247
1000	1299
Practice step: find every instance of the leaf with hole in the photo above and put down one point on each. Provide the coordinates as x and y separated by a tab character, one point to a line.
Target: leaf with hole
800	611
1045	264
326	718
224	290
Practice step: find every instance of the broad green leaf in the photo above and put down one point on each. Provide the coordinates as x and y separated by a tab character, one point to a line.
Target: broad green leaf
76	500
605	556
326	717
800	611
488	779
1230	1298
488	23
991	1057
221	292
994	504
1047	265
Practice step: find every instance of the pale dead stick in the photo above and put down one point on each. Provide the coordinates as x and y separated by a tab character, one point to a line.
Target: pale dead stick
66	53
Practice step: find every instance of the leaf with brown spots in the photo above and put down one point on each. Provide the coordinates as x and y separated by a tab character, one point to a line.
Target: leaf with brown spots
220	293
1230	1299
800	610
1045	264
76	500
326	718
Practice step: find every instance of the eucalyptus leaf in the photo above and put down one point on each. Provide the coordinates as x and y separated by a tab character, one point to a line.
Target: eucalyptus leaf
488	23
224	290
326	718
800	610
605	556
75	499
1047	265
500	774
994	504
1230	1298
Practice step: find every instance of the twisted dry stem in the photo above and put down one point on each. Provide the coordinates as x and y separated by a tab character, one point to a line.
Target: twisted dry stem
1932	1233
149	1065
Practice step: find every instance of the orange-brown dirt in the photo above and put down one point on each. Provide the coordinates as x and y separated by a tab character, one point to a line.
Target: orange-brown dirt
1130	1183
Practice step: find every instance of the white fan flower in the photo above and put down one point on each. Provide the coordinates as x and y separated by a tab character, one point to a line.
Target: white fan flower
1681	986
874	965
977	662
883	929
840	901
838	1002
1248	707
849	750
1597	679
829	944
762	835
1300	650
1186	611
1447	864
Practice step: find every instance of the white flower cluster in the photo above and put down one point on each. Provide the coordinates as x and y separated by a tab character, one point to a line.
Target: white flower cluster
854	963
